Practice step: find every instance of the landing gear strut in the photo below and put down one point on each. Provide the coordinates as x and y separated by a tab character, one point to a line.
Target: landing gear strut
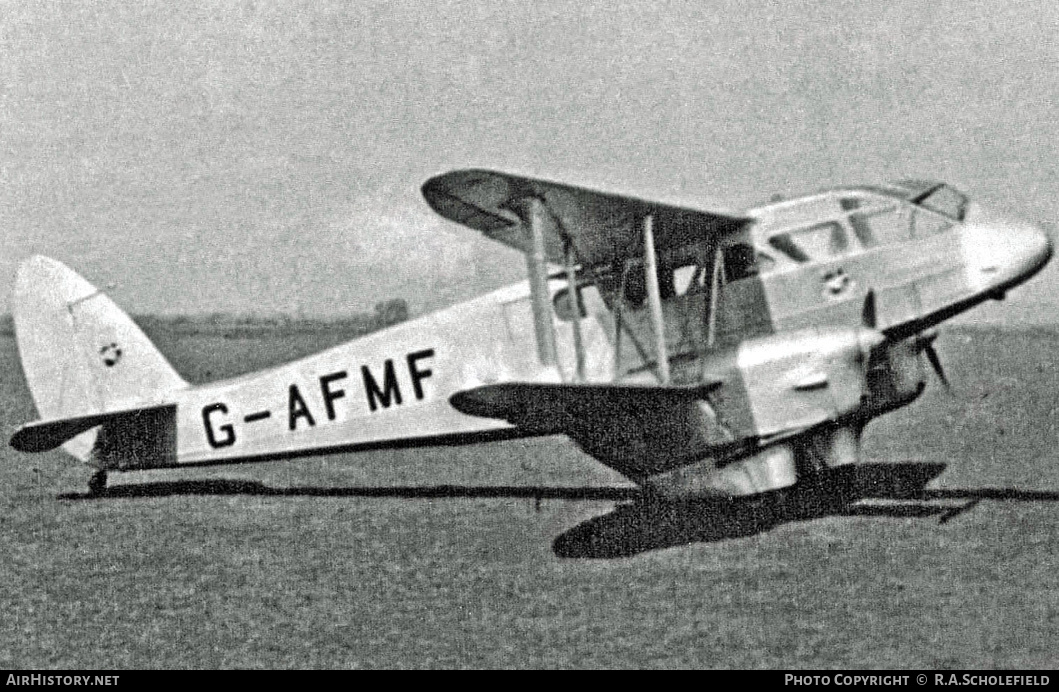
98	482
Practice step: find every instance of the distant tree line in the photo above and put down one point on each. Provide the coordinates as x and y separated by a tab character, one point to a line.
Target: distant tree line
385	314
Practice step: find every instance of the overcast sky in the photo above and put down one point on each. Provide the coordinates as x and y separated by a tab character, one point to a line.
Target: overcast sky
267	156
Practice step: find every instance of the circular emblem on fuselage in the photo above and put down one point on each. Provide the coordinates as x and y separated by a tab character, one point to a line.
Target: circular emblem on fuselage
111	354
836	282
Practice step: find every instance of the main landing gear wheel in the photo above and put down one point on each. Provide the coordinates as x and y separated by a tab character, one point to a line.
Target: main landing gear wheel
98	482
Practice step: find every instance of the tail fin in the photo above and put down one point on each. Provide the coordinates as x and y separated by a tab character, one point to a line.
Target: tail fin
82	356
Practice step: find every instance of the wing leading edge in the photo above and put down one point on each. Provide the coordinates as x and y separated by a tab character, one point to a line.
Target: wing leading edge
534	404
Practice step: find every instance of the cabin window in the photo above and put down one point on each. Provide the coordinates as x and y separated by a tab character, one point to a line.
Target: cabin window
880	228
821	241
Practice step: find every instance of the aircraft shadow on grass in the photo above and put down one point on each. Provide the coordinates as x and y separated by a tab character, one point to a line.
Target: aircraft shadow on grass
639	525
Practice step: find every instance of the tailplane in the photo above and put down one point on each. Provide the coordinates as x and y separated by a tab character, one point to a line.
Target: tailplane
82	356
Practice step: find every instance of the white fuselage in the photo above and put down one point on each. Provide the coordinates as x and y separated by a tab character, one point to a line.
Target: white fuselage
389	387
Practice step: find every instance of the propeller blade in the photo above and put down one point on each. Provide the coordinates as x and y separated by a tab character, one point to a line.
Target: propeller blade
867	313
935	362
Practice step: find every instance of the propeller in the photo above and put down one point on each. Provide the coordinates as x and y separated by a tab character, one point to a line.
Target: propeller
927	344
867	314
935	362
869	318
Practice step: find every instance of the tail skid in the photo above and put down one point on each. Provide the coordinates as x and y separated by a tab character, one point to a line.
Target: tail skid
86	362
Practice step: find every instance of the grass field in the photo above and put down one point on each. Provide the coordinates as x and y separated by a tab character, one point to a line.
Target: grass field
442	558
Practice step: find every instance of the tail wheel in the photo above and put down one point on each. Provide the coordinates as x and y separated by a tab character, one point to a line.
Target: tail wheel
98	482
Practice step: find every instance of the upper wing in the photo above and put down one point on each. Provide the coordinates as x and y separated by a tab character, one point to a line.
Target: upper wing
603	227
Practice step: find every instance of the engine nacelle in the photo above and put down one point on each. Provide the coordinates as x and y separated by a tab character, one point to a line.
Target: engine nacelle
772	468
793	381
895	376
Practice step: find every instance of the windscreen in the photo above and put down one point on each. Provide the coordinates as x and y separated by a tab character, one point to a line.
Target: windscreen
944	200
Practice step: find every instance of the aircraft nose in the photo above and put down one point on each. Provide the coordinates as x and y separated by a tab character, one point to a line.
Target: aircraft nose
1033	248
1002	251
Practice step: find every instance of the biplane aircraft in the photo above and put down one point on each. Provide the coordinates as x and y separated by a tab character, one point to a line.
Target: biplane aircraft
700	354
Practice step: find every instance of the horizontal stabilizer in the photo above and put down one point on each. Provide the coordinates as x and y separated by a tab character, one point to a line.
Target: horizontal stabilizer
547	405
44	436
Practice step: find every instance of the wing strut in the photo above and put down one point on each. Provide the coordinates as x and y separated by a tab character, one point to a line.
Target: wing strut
654	298
618	303
574	294
716	280
536	267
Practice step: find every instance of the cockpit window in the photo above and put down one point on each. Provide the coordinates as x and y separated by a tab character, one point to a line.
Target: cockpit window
945	201
784	244
821	241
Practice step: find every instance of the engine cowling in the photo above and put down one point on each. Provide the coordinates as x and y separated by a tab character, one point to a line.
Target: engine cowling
793	381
